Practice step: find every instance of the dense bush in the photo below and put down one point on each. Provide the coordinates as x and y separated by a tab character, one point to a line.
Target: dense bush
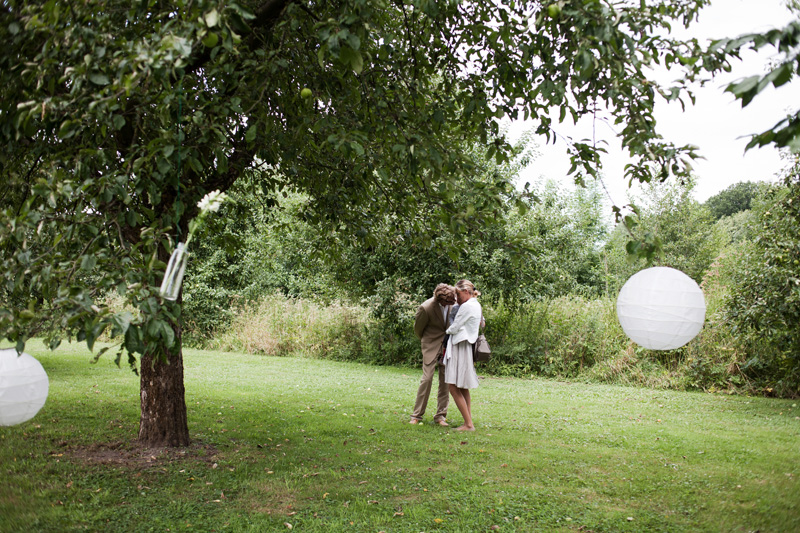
560	337
763	304
389	333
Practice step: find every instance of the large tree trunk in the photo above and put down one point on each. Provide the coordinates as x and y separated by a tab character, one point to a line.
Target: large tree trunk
163	419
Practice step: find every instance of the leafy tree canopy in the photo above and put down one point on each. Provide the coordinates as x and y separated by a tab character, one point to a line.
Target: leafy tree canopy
732	200
689	241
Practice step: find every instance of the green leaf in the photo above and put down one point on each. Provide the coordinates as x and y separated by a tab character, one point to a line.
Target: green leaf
357	148
781	75
211	39
98	78
250	136
68	129
88	262
163	166
356	61
741	87
167	334
212	18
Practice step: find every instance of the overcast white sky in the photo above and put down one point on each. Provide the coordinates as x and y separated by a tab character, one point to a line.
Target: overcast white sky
716	123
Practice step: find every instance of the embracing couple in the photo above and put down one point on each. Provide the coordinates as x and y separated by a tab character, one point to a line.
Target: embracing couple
447	326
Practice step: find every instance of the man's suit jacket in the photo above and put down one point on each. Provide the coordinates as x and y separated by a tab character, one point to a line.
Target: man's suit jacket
429	326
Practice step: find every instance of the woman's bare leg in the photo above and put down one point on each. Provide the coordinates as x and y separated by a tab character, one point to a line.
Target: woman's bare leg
468	402
455	392
463	407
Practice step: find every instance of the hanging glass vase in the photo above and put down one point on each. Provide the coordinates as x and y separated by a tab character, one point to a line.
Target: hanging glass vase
173	277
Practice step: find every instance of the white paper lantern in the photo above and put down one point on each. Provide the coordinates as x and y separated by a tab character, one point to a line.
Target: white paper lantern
661	308
23	387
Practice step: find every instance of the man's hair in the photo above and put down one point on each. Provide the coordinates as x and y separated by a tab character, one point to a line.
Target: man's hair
444	292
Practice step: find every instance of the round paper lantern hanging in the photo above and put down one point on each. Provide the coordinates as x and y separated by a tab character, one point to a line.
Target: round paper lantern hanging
23	387
661	308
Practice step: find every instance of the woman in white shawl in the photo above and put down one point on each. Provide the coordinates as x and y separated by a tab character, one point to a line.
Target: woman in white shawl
459	372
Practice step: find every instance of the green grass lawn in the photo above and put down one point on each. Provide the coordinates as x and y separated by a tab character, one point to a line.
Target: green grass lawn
312	445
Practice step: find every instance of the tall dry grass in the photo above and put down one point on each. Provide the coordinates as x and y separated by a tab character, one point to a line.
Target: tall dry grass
277	325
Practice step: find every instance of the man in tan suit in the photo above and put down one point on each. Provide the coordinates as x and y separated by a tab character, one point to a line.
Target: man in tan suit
430	325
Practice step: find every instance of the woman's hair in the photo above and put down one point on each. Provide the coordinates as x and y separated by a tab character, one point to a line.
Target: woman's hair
466	285
444	293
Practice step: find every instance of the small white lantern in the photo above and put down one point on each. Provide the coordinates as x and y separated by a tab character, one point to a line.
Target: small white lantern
23	387
661	308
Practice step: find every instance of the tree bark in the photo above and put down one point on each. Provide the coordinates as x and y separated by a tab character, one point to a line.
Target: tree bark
163	419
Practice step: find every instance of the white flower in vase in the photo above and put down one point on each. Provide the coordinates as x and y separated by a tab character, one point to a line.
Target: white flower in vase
173	277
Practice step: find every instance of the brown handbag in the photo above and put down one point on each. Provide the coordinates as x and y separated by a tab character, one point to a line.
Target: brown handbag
481	352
